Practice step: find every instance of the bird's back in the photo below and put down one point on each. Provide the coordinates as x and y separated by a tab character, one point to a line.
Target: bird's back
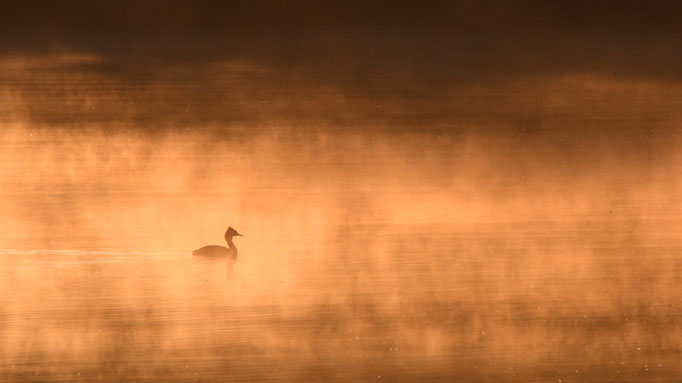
214	251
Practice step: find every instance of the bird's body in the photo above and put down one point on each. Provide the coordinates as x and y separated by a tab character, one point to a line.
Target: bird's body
221	252
215	251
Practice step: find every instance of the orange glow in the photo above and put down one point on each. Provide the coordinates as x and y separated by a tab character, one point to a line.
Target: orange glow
520	229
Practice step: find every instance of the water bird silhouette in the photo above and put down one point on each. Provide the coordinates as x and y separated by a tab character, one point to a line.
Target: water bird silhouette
221	252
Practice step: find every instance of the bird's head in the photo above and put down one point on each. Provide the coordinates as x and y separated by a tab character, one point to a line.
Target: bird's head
232	233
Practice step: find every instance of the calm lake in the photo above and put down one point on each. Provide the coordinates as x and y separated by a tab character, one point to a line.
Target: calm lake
371	252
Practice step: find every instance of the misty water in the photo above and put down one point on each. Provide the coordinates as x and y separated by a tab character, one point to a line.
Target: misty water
369	253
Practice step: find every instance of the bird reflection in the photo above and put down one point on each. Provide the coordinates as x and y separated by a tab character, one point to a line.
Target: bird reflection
221	252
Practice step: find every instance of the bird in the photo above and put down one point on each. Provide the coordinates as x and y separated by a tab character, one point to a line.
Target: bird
221	252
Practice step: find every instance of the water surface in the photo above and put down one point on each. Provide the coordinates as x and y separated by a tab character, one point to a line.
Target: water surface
505	232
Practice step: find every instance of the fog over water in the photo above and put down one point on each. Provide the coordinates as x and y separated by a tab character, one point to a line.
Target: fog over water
522	229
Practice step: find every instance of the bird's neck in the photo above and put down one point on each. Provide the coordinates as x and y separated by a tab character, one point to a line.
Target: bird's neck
230	244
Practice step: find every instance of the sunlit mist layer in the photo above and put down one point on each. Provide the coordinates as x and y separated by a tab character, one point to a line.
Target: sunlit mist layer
538	241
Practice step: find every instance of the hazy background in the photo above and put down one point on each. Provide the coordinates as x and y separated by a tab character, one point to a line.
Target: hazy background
472	191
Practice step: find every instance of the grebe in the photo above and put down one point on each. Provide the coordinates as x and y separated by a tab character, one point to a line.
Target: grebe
215	251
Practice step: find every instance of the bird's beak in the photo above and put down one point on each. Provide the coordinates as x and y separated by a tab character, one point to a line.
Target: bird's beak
239	235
